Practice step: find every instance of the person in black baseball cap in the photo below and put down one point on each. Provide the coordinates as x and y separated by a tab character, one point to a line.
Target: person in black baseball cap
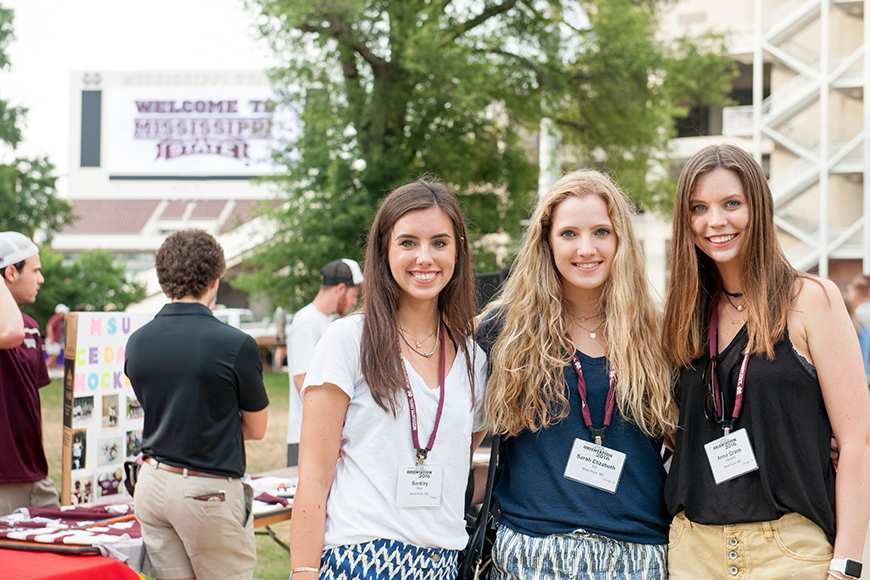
340	282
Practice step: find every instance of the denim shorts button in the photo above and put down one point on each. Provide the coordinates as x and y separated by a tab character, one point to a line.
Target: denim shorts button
732	554
732	541
435	557
734	570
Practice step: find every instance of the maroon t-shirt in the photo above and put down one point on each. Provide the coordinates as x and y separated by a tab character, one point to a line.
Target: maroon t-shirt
55	325
22	374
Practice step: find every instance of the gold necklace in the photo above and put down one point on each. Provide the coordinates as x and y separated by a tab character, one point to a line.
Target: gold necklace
585	318
416	348
419	342
592	333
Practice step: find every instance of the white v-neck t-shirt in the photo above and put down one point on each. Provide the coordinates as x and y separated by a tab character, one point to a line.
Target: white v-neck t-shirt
362	501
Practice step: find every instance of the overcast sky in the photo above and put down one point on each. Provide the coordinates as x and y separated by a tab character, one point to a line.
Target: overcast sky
55	37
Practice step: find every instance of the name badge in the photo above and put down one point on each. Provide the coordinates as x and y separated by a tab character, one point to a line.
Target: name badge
595	465
731	456
420	486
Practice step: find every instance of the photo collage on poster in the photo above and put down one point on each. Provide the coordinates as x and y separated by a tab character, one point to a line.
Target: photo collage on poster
104	418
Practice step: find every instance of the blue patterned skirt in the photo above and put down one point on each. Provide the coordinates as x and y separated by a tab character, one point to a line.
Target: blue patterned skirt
576	556
387	559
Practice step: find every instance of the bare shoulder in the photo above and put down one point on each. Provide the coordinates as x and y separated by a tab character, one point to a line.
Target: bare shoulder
815	307
814	295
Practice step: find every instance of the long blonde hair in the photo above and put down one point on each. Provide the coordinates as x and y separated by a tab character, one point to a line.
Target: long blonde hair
526	388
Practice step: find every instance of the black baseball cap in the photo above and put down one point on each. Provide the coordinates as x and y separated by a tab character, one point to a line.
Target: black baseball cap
342	271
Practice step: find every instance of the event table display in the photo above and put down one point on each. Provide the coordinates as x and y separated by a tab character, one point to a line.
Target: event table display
112	530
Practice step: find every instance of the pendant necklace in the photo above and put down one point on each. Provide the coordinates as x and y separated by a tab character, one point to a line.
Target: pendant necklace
594	332
419	343
729	296
416	349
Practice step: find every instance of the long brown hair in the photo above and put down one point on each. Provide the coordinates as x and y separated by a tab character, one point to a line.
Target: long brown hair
525	390
767	278
381	355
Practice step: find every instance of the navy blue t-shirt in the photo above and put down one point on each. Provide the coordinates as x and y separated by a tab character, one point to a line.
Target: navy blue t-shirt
536	498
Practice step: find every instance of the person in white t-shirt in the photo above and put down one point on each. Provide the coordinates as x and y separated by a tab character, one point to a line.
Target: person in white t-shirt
393	405
340	282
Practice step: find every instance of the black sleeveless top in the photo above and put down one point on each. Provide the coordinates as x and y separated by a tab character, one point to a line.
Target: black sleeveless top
787	423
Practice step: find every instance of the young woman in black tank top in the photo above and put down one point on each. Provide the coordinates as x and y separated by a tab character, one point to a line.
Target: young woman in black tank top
770	369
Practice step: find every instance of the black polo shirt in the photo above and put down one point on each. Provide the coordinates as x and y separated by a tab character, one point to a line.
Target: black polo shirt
193	374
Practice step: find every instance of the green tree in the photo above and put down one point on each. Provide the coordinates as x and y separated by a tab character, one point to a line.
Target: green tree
27	185
95	278
387	91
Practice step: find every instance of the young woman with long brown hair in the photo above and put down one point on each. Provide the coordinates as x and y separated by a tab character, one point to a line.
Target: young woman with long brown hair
581	393
393	401
770	368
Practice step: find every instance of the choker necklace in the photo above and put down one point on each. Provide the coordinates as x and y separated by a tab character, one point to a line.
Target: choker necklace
735	295
416	349
728	296
592	333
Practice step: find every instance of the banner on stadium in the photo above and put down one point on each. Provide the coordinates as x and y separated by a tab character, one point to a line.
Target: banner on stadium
195	130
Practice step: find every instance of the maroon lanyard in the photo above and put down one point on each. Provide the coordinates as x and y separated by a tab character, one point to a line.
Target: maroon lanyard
423	452
598	434
741	377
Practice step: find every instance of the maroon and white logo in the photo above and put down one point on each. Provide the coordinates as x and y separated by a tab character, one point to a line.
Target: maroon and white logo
203	127
196	130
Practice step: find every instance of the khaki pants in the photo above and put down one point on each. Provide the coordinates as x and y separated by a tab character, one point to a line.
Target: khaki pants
187	535
40	494
791	547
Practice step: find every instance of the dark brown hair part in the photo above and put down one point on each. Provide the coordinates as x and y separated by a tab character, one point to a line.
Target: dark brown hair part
187	262
381	355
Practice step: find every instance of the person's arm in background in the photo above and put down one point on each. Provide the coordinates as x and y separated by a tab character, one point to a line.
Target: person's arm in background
11	321
254	424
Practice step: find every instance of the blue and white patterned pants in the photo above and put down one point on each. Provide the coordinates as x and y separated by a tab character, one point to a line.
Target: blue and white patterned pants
576	556
386	560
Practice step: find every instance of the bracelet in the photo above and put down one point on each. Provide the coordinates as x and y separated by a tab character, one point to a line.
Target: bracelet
304	569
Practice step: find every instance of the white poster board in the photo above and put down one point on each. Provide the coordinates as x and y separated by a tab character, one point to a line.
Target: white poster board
102	419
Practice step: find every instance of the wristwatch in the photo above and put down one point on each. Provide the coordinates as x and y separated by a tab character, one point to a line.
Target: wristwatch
848	567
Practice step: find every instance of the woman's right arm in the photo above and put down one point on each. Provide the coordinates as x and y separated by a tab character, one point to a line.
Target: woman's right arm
320	441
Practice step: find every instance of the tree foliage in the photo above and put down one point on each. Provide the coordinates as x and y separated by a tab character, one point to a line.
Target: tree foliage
27	185
388	91
95	279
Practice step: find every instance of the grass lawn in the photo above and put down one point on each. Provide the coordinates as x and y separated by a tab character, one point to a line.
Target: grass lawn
273	563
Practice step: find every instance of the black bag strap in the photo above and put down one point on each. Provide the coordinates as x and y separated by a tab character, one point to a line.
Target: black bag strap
487	498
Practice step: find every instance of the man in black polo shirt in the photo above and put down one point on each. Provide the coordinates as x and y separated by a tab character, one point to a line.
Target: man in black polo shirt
200	383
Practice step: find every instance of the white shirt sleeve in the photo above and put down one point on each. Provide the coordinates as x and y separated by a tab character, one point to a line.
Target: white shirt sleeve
336	357
304	336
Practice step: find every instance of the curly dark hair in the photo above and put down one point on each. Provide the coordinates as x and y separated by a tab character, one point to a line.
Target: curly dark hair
187	262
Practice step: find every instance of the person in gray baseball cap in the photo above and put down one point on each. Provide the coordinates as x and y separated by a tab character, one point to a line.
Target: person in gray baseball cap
24	480
340	282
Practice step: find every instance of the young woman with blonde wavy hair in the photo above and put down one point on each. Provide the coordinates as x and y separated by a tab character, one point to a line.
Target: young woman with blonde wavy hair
581	478
769	368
